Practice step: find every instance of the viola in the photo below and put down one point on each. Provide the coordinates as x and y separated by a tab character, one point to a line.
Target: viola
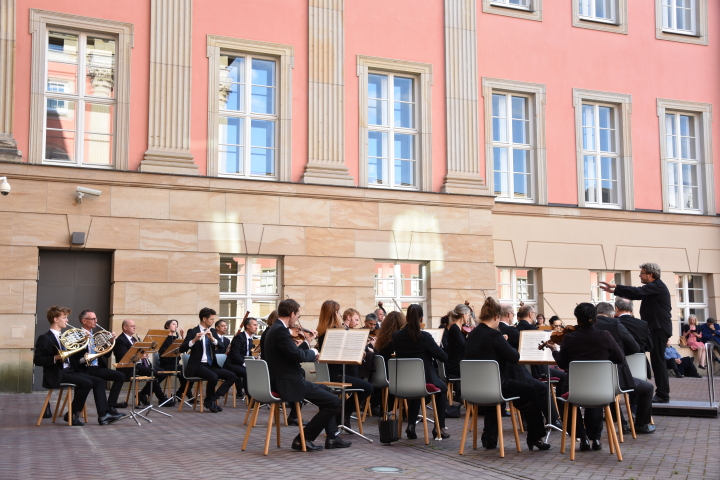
557	337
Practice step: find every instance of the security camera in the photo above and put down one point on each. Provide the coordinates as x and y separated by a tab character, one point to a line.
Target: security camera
82	191
4	186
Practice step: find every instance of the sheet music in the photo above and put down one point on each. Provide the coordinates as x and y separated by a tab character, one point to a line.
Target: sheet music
343	346
529	341
437	334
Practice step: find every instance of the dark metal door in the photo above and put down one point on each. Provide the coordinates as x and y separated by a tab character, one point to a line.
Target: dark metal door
77	280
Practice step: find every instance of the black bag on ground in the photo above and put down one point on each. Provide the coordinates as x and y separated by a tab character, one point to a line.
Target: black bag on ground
452	411
388	430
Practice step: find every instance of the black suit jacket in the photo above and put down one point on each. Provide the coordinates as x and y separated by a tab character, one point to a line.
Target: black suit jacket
167	363
627	345
283	358
485	343
588	343
425	349
514	371
222	344
455	348
46	347
525	325
639	331
655	307
238	350
122	345
196	351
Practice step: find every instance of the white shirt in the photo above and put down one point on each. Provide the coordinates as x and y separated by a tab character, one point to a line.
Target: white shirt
90	341
204	358
66	363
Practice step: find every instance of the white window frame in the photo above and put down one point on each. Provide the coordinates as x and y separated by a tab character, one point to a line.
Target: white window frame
422	76
702	112
618	23
248	296
622	104
421	299
530	10
597	295
699	34
284	58
687	306
515	300
41	23
536	94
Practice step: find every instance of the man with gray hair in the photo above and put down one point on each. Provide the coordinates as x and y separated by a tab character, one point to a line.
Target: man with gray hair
655	309
637	328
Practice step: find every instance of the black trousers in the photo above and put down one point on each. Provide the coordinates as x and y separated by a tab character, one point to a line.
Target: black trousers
109	375
169	366
528	404
212	373
328	405
144	371
590	424
84	384
241	374
440	403
357	383
642	399
685	367
659	367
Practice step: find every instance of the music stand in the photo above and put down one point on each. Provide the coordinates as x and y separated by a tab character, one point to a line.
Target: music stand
130	360
151	340
173	350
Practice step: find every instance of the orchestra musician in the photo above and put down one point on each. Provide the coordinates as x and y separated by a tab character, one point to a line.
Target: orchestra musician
486	342
219	332
169	364
57	371
456	343
268	322
241	346
385	347
380	313
412	342
330	318
202	362
371	322
98	367
283	358
144	368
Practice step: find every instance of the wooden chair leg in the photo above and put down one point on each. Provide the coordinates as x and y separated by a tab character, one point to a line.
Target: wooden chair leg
284	413
250	426
385	395
85	412
424	420
249	409
450	393
273	406
68	399
465	430
62	408
614	435
234	396
565	427
57	404
300	426
199	397
407	410
520	423
472	415
277	423
475	409
515	429
618	419
652	422
44	407
438	430
366	409
608	426
629	414
399	419
554	397
501	441
357	411
184	395
572	432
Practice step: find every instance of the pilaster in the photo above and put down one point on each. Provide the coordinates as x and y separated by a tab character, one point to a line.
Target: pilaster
8	145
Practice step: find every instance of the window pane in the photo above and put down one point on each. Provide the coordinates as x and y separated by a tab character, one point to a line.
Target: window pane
590	166
60	134
687	137
100	67
501	168
607	143
231	139
384	279
608	171
403	89
411	284
59	145
263	72
263	79
262	133
690	187
97	149
404	173
403	115
262	161
232	274
673	182
519	122
231	310
230	158
588	119
232	80
670	135
521	173
264	275
62	61
377	158
377	100
231	131
499	118
99	118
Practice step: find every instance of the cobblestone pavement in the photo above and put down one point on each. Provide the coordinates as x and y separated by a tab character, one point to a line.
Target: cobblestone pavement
207	445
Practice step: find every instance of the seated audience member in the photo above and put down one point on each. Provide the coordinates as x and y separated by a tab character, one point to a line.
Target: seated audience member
711	336
691	332
681	366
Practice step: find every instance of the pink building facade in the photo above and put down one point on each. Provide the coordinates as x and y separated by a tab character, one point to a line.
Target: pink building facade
396	151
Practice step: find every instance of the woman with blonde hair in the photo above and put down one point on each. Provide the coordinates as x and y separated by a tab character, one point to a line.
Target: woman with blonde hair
694	340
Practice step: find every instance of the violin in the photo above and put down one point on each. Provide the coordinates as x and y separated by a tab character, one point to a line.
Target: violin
557	337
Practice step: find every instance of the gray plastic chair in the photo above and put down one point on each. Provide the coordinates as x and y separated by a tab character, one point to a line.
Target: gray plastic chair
184	358
379	381
407	382
638	365
258	384
442	373
592	385
322	377
619	391
482	387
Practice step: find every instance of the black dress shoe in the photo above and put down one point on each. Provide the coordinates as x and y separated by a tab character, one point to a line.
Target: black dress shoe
76	420
539	444
657	399
488	444
143	399
697	375
584	445
112	411
47	413
596	445
292	422
443	435
108	418
645	429
218	407
626	428
558	424
119	405
210	406
336	442
309	446
410	432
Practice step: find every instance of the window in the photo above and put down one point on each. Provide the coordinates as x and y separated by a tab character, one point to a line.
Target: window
605	15
249	111
403	282
686	157
79	106
517	285
527	9
395	124
247	283
691	297
596	294
602	123
682	21
514	122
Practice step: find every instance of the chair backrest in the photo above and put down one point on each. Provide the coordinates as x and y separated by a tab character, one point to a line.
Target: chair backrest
616	381
407	377
481	382
441	371
592	383
379	376
637	363
220	359
155	359
258	381
322	372
184	358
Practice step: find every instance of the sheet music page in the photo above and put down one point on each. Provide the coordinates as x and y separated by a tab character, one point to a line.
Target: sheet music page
344	346
436	333
529	341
